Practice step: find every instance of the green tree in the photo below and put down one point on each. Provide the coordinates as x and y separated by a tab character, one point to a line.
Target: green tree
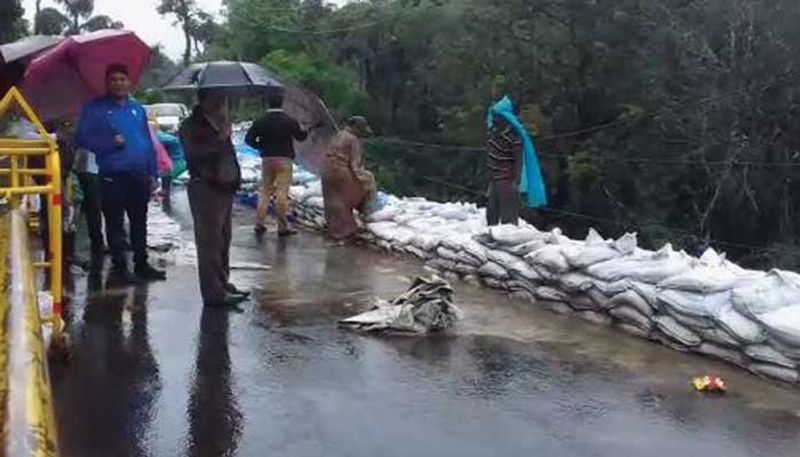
184	12
11	23
51	21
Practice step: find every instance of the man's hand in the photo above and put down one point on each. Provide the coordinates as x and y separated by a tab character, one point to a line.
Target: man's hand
118	141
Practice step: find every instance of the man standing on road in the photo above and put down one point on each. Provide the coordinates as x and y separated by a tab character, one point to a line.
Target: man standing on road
115	128
214	179
274	135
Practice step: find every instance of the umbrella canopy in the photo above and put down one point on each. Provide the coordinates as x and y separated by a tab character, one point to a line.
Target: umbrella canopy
234	76
27	48
61	80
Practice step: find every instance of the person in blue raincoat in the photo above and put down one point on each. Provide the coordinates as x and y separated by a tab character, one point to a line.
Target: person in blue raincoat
512	166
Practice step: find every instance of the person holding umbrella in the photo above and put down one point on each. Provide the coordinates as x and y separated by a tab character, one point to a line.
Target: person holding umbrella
215	177
115	128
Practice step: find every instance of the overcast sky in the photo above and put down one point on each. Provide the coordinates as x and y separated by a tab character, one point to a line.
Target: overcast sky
141	17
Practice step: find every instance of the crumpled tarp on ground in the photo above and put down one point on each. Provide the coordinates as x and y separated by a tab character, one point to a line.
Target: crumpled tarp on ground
427	307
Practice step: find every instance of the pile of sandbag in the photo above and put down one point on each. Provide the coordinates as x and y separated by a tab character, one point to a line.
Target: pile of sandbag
706	305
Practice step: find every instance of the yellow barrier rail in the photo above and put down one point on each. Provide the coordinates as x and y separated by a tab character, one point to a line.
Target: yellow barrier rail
28	418
17	181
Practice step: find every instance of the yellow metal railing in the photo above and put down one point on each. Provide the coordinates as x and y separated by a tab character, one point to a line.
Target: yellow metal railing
27	409
16	176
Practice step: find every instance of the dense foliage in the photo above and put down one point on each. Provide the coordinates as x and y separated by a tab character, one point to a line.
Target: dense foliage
674	118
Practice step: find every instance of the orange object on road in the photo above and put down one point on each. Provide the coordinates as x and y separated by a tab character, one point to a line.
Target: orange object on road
710	384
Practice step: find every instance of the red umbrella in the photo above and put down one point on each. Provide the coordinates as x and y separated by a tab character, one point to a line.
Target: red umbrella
61	80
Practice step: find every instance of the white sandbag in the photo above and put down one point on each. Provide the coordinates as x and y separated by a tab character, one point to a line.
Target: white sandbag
648	291
631	316
719	352
633	300
501	257
611	288
493	270
595	318
692	322
425	242
718	336
512	235
515	265
784	324
550	257
692	303
575	281
593	237
711	258
447	254
550	294
626	244
522	295
465	268
676	331
463	257
475	249
668	341
315	202
558	307
383	230
650	269
494	283
739	326
583	302
601	300
418	253
777	289
524	249
385	214
517	284
632	330
582	256
777	372
767	354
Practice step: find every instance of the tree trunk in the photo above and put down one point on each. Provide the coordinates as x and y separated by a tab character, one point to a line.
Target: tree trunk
187	54
36	28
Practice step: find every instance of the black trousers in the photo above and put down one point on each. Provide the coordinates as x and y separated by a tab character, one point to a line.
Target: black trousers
91	185
126	194
503	202
211	211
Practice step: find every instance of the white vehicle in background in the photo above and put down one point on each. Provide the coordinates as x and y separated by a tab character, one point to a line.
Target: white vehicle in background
168	115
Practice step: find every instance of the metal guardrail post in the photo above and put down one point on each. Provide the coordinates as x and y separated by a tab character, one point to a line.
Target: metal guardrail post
29	416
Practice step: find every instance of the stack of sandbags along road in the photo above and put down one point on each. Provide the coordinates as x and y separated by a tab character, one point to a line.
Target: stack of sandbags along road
706	305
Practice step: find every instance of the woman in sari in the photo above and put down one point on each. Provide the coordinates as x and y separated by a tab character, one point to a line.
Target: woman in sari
346	185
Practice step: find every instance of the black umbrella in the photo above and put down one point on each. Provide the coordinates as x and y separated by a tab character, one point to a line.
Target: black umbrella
234	76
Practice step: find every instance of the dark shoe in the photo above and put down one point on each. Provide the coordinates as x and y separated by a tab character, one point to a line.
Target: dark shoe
120	276
233	290
260	230
287	232
230	301
96	263
149	273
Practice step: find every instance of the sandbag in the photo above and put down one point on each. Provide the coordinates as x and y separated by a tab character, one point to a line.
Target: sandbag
441	264
612	288
522	295
576	281
463	257
558	307
583	302
632	330
464	268
703	279
383	230
512	235
493	270
650	269
550	294
633	317
692	303
647	291
447	254
777	289
740	327
595	318
582	256
789	375
416	252
388	213
691	322
494	283
524	249
626	244
676	331
718	336
549	257
425	242
633	300
719	352
784	324
516	284
767	354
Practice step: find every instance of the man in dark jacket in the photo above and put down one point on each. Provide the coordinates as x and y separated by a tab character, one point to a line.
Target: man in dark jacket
214	179
115	128
274	135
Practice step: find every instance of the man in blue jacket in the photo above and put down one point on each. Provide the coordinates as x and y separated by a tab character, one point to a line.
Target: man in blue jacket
115	128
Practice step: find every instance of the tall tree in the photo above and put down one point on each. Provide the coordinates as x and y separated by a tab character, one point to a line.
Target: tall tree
11	23
184	12
51	21
77	10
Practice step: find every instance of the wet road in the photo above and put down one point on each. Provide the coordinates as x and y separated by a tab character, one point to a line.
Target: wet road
153	374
